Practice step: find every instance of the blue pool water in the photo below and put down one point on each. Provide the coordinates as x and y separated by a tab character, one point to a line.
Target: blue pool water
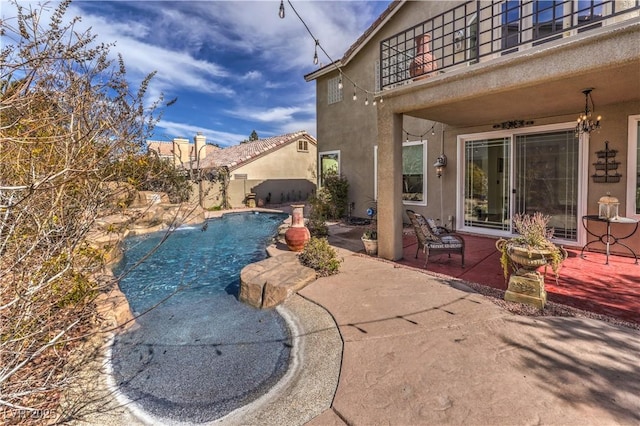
198	353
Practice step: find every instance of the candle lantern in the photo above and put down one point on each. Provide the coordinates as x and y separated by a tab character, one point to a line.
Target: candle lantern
608	207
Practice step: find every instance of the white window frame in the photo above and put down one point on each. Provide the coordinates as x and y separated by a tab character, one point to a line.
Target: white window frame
632	166
320	154
424	173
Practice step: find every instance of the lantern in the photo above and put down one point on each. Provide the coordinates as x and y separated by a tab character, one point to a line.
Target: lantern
608	207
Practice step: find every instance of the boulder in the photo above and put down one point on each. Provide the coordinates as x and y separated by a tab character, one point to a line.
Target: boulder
270	282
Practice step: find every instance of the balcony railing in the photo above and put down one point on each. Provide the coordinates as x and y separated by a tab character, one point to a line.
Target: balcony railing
476	31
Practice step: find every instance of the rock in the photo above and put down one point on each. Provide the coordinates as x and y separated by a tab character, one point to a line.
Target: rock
270	282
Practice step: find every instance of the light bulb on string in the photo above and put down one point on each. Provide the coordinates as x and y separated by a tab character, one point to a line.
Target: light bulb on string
315	54
366	101
340	83
281	12
374	102
355	97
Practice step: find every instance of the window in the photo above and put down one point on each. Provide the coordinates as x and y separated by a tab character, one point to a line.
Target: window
413	173
633	164
335	91
510	24
547	17
329	162
303	145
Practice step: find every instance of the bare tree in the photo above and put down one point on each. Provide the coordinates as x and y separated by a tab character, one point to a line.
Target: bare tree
66	112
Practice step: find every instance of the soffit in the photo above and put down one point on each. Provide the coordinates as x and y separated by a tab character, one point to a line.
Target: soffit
550	98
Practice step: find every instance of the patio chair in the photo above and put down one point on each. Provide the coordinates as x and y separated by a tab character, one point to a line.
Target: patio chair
434	239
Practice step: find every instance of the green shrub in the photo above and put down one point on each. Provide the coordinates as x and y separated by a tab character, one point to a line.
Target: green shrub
319	255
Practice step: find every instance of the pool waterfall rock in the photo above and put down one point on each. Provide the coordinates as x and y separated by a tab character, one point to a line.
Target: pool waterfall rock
269	282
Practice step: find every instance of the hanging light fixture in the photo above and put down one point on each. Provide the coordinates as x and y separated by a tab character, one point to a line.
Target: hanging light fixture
585	121
340	83
281	12
355	97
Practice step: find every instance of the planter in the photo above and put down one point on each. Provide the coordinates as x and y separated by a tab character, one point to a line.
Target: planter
526	285
370	246
297	235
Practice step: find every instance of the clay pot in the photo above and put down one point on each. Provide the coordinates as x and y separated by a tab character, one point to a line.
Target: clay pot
423	63
298	234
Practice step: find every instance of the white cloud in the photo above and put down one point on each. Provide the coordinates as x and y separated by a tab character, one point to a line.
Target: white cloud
276	114
188	131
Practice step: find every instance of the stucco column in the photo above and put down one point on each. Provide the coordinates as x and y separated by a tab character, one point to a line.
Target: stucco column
389	184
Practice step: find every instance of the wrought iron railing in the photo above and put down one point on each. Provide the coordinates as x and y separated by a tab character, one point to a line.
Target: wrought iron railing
476	31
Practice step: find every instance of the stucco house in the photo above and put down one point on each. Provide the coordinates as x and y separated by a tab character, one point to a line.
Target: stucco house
468	112
274	170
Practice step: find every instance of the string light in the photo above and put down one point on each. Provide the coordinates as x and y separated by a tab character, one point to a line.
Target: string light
281	14
374	102
315	54
421	136
366	101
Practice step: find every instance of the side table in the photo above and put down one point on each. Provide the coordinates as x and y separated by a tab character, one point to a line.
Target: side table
608	239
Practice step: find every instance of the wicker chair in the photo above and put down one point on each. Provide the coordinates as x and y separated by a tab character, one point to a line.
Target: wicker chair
433	239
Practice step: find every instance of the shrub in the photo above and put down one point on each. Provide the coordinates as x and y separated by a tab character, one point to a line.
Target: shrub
319	255
337	188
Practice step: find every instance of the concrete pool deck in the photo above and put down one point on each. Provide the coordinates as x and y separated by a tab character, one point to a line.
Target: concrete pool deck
420	349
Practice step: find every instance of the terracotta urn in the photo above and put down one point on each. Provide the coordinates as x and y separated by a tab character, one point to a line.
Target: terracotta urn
423	62
297	235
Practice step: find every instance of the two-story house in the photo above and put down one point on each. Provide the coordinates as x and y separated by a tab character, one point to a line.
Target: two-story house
470	111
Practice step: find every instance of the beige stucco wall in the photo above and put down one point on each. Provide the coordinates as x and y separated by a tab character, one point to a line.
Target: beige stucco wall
526	85
285	175
284	163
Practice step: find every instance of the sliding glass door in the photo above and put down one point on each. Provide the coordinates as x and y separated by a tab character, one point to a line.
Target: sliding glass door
546	179
521	173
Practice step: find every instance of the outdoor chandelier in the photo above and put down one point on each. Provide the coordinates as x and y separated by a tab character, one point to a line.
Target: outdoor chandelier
585	122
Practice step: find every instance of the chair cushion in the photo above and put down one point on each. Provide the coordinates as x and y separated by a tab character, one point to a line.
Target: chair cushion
446	241
428	234
434	227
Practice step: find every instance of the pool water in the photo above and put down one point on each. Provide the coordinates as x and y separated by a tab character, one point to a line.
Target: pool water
198	353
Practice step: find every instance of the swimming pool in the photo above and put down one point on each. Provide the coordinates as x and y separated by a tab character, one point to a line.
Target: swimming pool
198	353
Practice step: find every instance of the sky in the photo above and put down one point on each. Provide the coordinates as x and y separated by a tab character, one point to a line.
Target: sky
234	66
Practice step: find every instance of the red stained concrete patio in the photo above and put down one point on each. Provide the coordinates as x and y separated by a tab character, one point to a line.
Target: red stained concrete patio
584	283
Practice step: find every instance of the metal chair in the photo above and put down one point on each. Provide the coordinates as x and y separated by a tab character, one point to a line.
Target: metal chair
434	239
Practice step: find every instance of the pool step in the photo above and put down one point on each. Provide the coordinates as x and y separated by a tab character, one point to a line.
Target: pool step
268	283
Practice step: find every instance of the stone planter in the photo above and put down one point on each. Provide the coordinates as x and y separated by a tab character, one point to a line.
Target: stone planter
526	285
298	234
370	246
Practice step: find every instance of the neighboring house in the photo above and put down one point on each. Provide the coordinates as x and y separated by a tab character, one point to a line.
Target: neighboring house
275	170
495	88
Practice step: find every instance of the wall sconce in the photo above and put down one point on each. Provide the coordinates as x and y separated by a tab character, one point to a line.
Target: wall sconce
440	164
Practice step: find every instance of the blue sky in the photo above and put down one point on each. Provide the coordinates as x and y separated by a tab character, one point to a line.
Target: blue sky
234	66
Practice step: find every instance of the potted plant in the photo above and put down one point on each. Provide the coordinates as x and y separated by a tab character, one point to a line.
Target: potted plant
525	253
370	236
370	240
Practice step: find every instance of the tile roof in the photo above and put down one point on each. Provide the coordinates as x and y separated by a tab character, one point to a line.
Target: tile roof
237	155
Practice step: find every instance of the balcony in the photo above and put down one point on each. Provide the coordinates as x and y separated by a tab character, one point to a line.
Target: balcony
479	31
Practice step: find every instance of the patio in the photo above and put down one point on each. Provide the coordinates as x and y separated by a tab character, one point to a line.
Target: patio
583	283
